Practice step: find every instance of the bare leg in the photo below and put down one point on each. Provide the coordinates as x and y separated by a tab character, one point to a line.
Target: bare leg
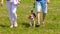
44	15
38	18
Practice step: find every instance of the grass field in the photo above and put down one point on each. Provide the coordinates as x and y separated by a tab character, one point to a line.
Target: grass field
52	25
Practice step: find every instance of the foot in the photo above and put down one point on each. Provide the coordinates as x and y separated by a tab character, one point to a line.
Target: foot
37	25
11	26
15	25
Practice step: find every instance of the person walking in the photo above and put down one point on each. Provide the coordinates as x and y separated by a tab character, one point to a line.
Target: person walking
12	7
41	4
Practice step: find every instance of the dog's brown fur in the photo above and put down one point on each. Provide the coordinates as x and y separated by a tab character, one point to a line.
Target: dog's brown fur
32	18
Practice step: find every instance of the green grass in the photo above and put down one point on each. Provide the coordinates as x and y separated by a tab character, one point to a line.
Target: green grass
52	25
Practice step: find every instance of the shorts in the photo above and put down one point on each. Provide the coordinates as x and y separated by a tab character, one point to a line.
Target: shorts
41	4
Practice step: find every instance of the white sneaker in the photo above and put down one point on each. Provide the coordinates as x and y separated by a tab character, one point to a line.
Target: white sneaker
11	26
15	25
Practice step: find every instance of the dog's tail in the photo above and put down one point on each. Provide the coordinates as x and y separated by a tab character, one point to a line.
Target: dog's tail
32	12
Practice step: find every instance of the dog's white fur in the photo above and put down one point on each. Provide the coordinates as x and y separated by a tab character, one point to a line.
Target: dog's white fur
32	19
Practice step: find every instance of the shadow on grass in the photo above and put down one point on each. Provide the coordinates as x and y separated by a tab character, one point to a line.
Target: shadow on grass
26	25
4	26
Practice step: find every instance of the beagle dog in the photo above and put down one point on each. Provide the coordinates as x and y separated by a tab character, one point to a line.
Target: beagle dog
32	18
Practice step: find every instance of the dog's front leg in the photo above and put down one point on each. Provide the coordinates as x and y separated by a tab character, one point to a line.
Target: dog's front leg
34	23
30	23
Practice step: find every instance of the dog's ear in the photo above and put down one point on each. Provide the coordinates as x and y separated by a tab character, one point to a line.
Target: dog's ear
29	17
34	14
